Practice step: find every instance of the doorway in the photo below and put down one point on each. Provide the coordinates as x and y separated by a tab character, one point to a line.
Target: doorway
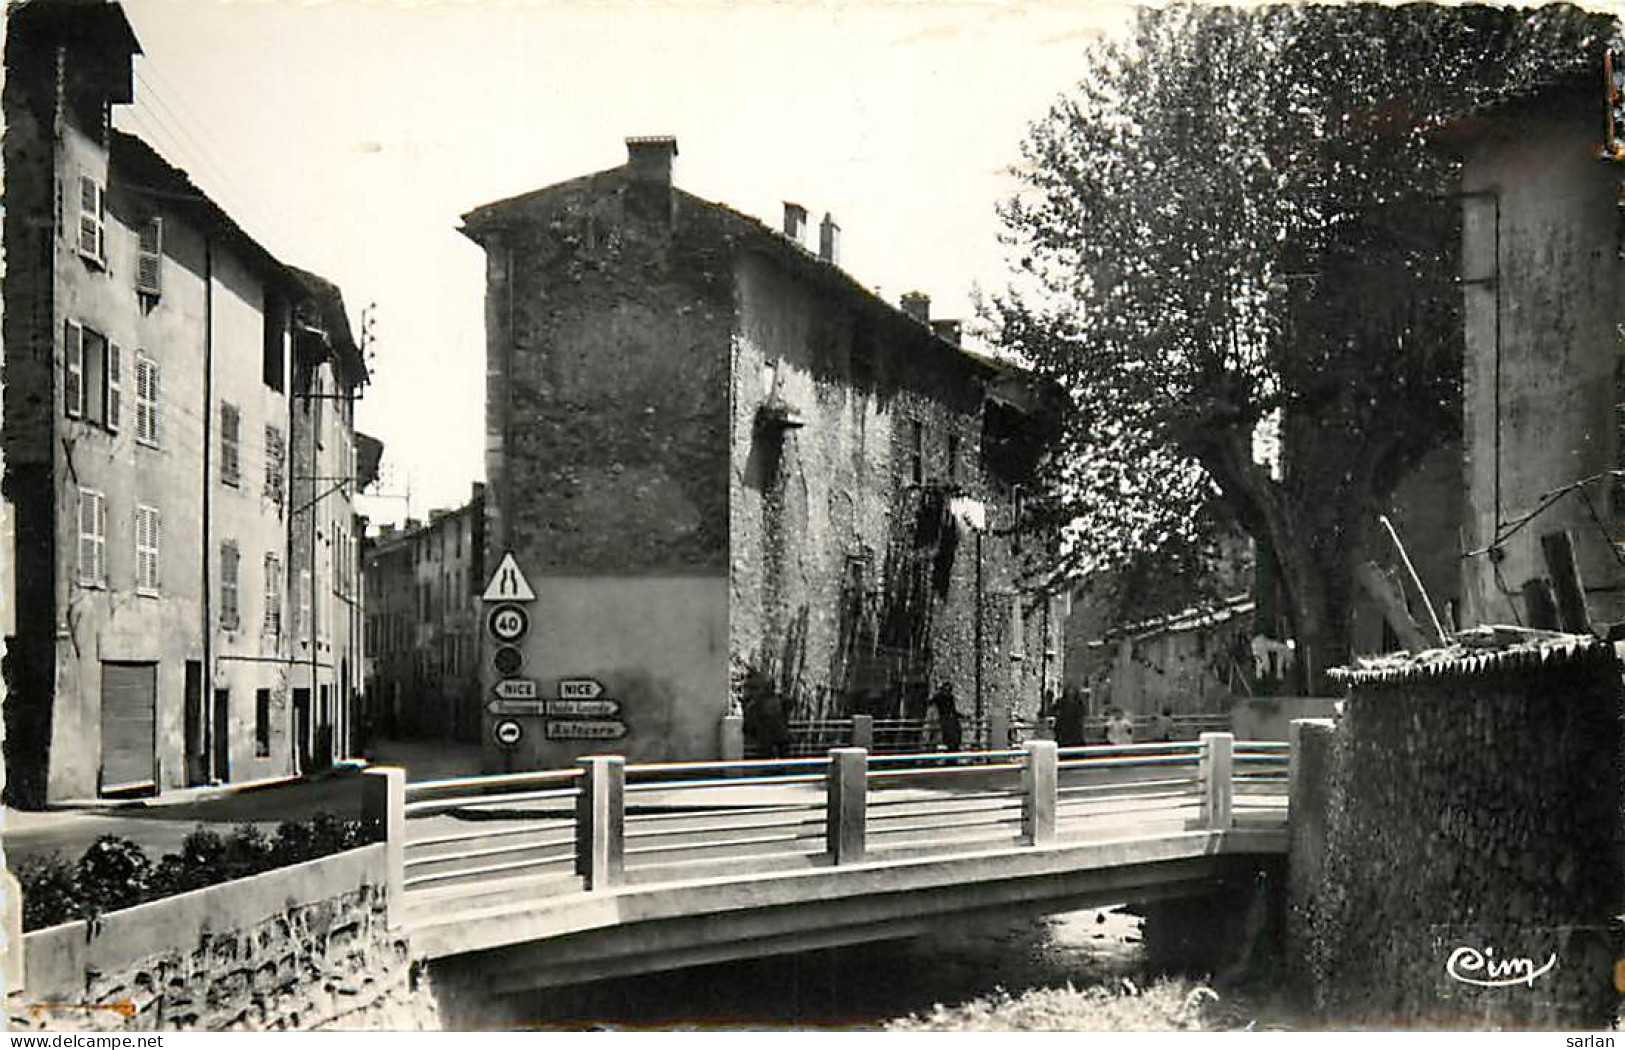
197	738
222	735
129	716
301	729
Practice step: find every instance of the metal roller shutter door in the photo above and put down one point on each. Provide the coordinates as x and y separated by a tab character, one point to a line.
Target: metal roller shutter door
129	706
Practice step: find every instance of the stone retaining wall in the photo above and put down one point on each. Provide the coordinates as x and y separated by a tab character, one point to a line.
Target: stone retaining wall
1470	810
303	947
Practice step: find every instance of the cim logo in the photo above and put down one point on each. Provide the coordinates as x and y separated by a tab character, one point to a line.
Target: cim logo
1483	969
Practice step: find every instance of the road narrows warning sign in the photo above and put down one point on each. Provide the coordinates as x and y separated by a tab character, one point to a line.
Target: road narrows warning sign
508	583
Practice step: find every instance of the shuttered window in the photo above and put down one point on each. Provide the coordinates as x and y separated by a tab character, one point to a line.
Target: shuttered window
92	538
275	456
149	270
92	220
273	594
147	529
231	465
230	615
146	401
73	371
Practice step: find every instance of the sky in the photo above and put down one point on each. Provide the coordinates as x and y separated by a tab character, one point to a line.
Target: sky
349	137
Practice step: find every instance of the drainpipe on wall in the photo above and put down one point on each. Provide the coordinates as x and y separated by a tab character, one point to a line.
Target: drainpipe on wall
206	700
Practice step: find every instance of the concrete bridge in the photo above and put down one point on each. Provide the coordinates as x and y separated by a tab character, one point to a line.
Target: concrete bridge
605	870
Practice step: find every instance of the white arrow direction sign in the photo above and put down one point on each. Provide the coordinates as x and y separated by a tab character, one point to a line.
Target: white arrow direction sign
508	584
516	689
586	730
583	708
580	689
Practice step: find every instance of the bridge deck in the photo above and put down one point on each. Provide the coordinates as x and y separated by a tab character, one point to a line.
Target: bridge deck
619	869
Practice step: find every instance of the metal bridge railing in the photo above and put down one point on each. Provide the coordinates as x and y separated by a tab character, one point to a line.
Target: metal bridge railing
605	823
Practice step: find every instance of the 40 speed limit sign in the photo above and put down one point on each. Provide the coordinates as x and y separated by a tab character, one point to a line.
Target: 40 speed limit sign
508	623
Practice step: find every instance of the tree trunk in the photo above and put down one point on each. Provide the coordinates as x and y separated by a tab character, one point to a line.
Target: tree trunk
1319	628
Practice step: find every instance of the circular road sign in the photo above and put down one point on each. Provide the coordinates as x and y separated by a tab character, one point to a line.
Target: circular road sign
507	660
508	733
508	623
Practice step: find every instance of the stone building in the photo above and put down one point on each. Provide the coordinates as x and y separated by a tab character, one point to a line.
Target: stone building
713	453
423	624
1544	373
151	371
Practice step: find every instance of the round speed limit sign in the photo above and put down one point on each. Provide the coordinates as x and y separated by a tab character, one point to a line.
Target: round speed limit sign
508	623
507	732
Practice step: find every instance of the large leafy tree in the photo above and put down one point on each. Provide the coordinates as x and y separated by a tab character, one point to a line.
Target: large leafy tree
1238	224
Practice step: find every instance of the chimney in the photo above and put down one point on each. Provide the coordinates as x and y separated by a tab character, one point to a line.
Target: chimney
917	305
649	158
949	331
829	240
795	223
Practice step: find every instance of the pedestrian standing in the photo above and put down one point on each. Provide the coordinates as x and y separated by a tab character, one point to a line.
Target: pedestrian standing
947	709
1119	728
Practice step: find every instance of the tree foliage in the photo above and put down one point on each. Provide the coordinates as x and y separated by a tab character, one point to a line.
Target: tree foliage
1241	221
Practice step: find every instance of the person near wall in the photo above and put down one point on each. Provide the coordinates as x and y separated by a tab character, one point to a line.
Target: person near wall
947	711
1069	717
1162	727
1119	728
766	727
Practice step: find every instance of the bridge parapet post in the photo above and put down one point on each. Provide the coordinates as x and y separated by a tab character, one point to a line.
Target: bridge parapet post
846	810
1039	771
1295	774
383	813
1218	784
863	732
601	821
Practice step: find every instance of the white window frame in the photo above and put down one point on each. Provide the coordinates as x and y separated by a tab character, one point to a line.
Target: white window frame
92	239
92	511
148	429
148	544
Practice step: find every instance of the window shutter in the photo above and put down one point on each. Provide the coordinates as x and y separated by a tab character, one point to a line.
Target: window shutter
149	274
115	387
273	594
230	460
155	389
147	529
146	414
100	503
229	617
73	379
87	538
274	458
91	211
